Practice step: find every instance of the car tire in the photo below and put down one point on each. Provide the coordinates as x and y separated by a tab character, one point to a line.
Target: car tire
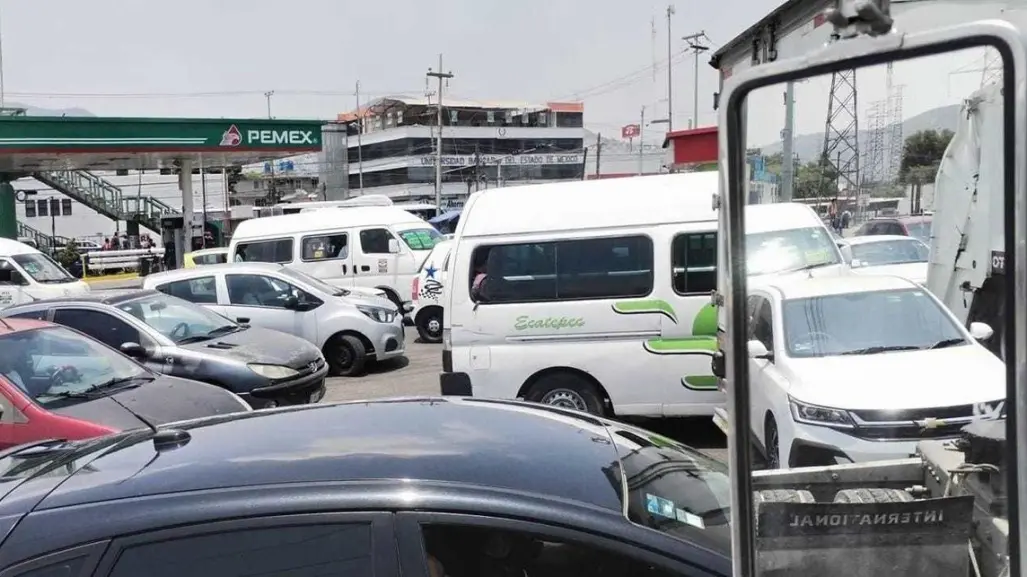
772	443
429	324
346	355
568	391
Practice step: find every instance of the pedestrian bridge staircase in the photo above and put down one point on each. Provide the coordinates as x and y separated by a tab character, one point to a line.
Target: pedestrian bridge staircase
42	240
106	198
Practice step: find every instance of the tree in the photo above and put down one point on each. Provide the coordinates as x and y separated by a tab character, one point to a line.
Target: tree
816	179
922	154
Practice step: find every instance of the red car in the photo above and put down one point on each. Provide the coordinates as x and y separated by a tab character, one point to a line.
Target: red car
56	382
916	226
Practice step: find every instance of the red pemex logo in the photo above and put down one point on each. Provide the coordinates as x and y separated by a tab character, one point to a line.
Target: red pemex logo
231	137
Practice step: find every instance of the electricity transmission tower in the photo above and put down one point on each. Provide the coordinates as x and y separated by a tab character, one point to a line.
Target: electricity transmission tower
873	167
896	140
841	136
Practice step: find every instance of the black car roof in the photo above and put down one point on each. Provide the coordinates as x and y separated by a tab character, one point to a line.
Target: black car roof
506	445
99	297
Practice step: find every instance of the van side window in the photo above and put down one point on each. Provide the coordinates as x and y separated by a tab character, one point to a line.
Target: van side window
593	268
326	247
375	241
277	250
694	263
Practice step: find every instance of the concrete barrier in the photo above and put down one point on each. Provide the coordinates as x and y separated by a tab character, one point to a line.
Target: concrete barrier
98	263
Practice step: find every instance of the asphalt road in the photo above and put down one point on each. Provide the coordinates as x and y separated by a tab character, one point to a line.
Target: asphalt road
418	374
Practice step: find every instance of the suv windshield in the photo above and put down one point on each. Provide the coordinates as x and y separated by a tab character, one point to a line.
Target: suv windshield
421	238
880	253
42	268
56	363
843	324
789	250
178	320
672	488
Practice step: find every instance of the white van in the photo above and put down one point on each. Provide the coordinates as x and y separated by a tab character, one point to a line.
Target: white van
378	247
27	275
596	296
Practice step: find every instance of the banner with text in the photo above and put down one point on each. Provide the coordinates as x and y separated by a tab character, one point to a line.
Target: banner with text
497	159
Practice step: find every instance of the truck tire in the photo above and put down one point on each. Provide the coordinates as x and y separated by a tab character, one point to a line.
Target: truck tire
782	496
872	496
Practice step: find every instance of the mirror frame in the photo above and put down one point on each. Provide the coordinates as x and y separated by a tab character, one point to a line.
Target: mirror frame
845	54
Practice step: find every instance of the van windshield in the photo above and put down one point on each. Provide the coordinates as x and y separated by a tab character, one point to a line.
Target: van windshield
42	268
789	250
421	238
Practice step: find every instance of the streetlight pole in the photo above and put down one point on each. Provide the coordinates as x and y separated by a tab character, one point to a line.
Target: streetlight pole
360	146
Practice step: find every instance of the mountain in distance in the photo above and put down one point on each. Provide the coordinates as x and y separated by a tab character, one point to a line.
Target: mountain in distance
811	146
37	111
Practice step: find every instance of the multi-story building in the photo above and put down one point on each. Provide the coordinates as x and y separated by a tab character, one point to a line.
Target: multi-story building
484	144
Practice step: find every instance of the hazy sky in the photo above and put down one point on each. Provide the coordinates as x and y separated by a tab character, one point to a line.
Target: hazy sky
54	51
227	53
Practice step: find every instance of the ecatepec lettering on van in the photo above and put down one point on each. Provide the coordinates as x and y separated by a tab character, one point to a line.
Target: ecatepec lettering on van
524	322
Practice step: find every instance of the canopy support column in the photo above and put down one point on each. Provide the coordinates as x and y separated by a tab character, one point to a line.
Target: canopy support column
8	210
184	240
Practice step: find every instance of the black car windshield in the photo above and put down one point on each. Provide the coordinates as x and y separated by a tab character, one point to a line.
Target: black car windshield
920	230
886	252
315	283
787	250
176	319
850	323
674	489
55	363
42	268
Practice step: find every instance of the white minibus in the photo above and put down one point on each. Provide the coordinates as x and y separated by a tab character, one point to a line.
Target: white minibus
596	295
363	247
27	274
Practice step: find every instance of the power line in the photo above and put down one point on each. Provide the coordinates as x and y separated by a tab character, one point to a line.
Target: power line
210	94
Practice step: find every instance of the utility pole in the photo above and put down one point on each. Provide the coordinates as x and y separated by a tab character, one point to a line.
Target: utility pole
272	189
360	148
440	75
670	81
641	129
696	45
787	168
599	151
203	202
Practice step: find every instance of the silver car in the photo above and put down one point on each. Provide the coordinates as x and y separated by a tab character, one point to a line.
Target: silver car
349	328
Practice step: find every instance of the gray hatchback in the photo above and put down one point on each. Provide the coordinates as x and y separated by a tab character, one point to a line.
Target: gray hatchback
174	337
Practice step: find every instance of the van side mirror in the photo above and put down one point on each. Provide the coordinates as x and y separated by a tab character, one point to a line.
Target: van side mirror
393	246
846	251
291	302
758	350
981	331
134	350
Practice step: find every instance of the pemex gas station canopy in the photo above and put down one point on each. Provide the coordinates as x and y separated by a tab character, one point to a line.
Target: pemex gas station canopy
41	143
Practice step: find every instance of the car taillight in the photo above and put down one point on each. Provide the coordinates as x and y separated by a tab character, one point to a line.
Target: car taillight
415	287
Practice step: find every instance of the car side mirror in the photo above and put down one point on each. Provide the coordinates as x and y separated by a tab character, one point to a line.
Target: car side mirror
846	251
242	320
981	331
134	350
393	246
758	350
292	302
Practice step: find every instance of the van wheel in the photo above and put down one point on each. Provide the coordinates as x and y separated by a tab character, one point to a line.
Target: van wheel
772	442
346	355
568	391
429	325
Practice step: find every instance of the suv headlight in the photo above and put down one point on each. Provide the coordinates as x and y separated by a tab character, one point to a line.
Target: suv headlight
273	372
822	416
379	314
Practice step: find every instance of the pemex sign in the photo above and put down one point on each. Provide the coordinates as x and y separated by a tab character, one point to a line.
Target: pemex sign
286	136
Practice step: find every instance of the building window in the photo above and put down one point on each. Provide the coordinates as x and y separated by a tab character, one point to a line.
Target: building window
30	209
66	206
43	207
591	268
55	207
694	263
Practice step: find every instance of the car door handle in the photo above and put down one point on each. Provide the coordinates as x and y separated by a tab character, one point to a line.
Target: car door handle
343	269
365	268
